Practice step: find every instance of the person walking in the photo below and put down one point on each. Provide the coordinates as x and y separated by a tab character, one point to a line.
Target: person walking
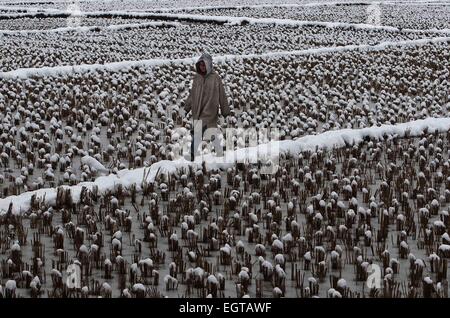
206	96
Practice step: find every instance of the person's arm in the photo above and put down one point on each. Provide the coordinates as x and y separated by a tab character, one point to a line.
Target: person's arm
223	101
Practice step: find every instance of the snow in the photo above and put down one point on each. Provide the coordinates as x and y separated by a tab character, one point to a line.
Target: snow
445	236
290	22
138	287
56	272
212	280
278	244
11	285
334	293
288	238
15	247
342	283
243	275
148	262
35	282
404	244
420	263
112	27
433	256
199	272
124	65
280	271
116	243
267	265
269	5
307	256
260	247
428	280
279	258
94	164
226	249
169	278
327	140
229	20
83	249
253	217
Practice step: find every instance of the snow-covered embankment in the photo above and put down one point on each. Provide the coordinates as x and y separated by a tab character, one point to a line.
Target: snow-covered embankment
329	139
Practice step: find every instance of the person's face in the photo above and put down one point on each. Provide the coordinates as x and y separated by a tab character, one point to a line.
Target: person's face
202	67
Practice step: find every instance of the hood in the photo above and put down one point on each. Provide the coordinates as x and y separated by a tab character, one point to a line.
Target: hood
208	62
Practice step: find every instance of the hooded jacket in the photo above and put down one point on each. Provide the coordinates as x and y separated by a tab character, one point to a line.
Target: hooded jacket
207	94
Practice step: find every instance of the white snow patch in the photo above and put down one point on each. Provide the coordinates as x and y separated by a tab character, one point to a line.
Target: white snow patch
94	164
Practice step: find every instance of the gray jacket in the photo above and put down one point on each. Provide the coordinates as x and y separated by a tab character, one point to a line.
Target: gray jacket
207	94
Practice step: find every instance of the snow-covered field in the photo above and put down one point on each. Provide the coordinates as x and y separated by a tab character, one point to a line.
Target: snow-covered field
91	104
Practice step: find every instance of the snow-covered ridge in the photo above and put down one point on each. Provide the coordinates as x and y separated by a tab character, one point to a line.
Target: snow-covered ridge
230	20
27	9
296	5
327	140
12	5
113	27
256	6
285	22
119	66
